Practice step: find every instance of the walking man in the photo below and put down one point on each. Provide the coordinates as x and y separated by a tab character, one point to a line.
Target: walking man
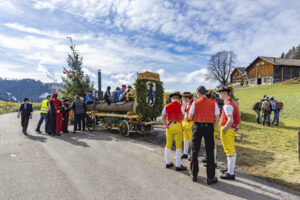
187	124
205	115
44	115
172	118
229	121
26	114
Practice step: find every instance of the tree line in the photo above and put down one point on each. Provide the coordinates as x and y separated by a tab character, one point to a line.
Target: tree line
293	53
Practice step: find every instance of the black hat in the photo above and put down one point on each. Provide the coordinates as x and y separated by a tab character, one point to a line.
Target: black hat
201	90
225	88
175	94
188	94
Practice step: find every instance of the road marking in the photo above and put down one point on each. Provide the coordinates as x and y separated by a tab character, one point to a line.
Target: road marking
13	155
144	147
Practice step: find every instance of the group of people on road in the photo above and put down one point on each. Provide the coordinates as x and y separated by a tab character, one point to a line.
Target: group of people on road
193	120
266	106
119	95
55	113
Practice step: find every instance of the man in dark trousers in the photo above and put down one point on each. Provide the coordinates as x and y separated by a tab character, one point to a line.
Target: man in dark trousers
78	107
26	114
205	115
65	115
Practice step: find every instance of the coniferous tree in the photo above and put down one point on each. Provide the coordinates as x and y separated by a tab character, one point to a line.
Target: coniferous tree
75	82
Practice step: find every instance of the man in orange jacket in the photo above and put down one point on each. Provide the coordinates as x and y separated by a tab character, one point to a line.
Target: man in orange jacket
229	121
172	118
205	114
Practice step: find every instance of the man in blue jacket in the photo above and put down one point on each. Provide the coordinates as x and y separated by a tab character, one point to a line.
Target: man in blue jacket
26	113
276	111
120	92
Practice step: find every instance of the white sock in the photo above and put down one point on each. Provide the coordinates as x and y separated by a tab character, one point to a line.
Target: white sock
233	164
178	157
215	154
167	155
186	146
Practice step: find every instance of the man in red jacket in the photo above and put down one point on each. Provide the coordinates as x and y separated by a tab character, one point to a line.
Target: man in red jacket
229	121
172	118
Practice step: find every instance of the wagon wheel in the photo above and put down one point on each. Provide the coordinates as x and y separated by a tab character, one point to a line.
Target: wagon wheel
147	129
124	128
92	125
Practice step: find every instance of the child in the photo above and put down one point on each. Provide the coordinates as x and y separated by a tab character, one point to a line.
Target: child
26	113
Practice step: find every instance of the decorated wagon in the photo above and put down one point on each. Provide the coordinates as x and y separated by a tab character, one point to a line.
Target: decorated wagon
138	115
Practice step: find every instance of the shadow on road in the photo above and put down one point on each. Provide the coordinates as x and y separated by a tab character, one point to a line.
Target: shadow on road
37	138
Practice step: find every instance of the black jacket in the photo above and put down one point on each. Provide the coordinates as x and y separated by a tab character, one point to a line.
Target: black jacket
25	111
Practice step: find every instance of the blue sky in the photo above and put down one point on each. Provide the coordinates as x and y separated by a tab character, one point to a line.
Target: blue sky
122	37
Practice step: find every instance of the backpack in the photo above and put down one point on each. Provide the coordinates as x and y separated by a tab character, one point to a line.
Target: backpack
265	107
255	106
280	105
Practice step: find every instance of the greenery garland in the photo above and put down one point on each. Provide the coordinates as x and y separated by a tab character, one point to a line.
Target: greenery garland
141	107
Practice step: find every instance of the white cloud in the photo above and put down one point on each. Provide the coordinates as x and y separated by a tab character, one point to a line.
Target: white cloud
42	69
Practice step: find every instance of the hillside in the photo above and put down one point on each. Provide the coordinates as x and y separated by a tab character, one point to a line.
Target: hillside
17	90
271	152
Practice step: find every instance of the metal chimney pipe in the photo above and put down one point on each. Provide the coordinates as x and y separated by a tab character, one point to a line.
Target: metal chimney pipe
100	93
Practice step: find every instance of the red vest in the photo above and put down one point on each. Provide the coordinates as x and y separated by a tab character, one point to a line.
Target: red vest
236	114
204	111
173	112
187	109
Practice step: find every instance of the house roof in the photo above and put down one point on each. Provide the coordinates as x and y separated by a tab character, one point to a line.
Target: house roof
241	69
278	61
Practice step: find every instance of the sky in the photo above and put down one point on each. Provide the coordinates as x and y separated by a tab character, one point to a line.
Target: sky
124	37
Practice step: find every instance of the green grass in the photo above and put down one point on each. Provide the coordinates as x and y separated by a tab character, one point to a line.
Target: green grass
271	152
14	107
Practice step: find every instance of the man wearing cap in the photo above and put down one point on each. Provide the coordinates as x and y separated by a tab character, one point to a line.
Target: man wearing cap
172	118
276	111
44	114
187	124
229	121
120	92
205	115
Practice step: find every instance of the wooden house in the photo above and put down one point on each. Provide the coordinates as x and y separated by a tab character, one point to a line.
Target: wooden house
238	76
269	70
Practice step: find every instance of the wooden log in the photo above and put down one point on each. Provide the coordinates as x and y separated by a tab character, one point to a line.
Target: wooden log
122	107
299	146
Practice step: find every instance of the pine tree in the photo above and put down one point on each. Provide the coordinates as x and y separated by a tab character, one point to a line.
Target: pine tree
282	55
75	82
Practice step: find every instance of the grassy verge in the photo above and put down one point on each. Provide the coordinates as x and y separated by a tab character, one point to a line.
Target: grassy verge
271	152
8	107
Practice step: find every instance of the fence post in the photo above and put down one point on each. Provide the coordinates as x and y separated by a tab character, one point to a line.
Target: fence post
299	145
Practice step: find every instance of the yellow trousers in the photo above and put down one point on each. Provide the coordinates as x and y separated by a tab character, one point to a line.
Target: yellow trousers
227	140
215	132
174	133
187	129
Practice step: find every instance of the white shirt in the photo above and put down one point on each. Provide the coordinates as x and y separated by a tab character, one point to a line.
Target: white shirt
182	109
217	110
228	109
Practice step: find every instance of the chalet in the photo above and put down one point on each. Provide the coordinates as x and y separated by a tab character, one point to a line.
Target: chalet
269	70
238	76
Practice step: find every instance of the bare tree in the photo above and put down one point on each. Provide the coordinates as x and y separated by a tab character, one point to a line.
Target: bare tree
220	66
51	75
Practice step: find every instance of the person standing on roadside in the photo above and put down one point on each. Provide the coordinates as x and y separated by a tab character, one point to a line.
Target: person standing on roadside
26	114
78	107
229	121
205	115
55	107
65	115
44	115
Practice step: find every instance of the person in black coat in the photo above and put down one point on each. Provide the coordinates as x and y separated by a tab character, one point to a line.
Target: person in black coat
26	114
107	96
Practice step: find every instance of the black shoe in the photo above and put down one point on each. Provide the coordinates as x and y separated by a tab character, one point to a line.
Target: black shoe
58	134
181	168
190	158
83	129
38	131
224	170
212	181
169	165
194	178
184	156
204	160
74	132
25	132
227	176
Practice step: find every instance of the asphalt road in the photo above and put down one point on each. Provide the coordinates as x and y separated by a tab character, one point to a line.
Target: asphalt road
103	165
